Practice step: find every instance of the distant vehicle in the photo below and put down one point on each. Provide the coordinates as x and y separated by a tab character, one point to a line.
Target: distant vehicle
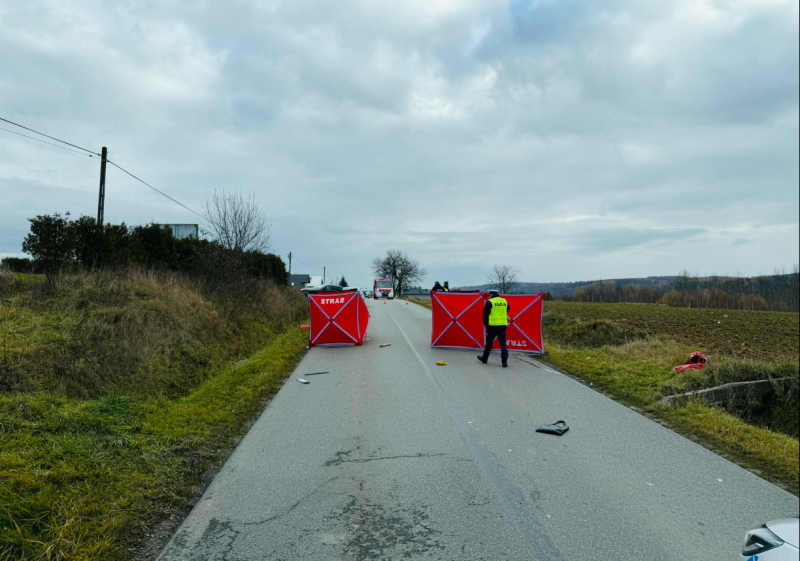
382	288
323	288
773	541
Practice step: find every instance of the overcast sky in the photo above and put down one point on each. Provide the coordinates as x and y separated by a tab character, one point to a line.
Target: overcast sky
570	139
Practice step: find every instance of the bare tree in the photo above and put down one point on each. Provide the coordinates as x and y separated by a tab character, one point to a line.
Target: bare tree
237	221
399	268
503	278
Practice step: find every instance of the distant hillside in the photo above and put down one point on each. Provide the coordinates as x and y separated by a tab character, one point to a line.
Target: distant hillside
778	292
559	289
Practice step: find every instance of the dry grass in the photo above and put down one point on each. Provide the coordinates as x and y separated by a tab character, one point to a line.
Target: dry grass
118	391
85	479
130	331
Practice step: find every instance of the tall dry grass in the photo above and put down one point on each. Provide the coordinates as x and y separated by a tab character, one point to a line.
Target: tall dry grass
131	330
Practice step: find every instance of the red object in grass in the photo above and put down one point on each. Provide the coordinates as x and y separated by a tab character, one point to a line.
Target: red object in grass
304	327
697	361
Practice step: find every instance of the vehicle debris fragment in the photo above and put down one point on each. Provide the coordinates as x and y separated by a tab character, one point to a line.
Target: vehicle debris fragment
558	428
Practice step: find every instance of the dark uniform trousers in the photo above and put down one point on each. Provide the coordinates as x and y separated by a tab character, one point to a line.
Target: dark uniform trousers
498	331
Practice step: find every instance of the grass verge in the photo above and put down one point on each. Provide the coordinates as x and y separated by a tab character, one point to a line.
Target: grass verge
86	479
424	302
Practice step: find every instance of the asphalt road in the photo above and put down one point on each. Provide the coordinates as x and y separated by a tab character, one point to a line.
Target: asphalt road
389	456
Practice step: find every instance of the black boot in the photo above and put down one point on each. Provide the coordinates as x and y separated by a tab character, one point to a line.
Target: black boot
505	365
483	360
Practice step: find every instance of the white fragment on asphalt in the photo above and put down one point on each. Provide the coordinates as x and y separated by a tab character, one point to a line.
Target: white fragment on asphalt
548	516
303	381
649	484
509	450
720	480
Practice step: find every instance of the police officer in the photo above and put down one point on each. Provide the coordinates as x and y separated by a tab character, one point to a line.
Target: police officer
437	287
495	319
446	286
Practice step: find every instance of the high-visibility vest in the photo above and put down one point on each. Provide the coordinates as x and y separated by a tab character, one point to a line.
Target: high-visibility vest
499	313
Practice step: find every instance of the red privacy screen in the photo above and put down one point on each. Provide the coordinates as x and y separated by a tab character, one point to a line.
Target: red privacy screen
524	331
458	321
337	318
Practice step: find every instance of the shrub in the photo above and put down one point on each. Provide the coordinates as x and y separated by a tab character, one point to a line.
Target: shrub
51	242
57	244
17	265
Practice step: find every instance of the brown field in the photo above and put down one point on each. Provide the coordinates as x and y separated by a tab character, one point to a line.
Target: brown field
744	334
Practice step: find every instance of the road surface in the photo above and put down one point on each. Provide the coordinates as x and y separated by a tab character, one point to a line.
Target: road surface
389	456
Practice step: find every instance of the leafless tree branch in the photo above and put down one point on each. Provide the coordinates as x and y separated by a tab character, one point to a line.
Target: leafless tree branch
503	278
399	268
237	221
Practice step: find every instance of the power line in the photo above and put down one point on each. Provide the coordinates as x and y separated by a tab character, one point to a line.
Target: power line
48	136
294	258
306	264
45	142
157	191
143	182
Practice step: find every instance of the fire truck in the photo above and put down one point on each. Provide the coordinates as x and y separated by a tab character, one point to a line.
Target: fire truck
382	288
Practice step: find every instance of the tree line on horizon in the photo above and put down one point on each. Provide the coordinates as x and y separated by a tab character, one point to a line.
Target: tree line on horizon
778	292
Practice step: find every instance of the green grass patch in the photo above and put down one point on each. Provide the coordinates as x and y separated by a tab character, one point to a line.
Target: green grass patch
83	479
424	302
776	456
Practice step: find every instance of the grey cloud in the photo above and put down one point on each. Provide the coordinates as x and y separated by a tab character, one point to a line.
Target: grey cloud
465	133
613	240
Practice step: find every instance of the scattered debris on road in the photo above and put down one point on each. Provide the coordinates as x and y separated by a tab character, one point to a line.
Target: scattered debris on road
386	345
558	428
316	373
303	381
441	363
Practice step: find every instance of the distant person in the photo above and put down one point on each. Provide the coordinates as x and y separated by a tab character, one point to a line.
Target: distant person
495	319
437	287
446	286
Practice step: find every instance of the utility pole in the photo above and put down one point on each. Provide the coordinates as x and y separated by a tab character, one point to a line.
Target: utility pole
101	201
323	275
290	262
